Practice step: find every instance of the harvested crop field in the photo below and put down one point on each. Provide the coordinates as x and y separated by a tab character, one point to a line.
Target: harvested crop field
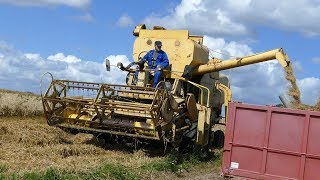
28	145
14	103
30	149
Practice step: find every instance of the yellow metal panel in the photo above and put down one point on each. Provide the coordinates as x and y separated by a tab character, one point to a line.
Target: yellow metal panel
81	117
197	39
203	126
164	34
136	95
143	125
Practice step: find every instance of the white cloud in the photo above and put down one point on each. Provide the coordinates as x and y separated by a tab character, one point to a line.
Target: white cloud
62	57
225	18
71	3
125	21
19	71
316	60
32	56
226	50
309	88
259	83
196	16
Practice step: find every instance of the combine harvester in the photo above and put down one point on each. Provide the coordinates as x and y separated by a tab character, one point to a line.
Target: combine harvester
183	109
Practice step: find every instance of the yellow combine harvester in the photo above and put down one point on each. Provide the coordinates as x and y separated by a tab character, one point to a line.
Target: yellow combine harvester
186	104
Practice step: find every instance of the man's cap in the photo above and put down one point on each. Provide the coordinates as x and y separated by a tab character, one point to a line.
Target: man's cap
158	43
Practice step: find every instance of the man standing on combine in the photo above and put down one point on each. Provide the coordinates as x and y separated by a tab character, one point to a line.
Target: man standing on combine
157	60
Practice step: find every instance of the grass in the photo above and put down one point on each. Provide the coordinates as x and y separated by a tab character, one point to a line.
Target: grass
175	163
167	164
106	171
171	163
113	171
50	174
3	169
179	163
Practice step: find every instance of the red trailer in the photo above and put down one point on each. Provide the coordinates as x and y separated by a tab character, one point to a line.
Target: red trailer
264	142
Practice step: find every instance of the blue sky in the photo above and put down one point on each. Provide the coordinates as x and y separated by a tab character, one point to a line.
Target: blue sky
47	30
72	34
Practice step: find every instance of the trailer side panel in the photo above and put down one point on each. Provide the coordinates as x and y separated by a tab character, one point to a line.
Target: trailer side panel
264	142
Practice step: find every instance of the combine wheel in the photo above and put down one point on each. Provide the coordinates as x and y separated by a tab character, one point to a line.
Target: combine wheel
202	151
211	139
188	139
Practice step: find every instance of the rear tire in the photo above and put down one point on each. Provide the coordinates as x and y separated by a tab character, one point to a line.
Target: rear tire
188	139
218	141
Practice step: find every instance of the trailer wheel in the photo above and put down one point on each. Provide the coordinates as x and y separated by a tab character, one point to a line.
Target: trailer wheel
218	141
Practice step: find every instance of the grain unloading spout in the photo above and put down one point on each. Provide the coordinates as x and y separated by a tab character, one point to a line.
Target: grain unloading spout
283	58
237	62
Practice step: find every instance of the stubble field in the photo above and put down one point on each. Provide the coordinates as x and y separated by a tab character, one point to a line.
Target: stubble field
30	149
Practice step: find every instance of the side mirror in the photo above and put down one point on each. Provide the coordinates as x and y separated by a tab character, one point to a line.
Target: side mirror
107	64
120	66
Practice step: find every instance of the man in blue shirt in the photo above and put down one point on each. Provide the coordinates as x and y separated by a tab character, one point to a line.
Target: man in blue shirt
157	60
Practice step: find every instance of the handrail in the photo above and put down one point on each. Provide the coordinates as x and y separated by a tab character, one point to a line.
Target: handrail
201	89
